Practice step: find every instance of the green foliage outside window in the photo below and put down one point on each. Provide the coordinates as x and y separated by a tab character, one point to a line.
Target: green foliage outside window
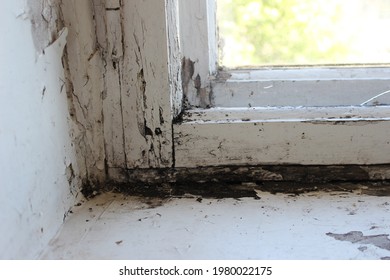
286	32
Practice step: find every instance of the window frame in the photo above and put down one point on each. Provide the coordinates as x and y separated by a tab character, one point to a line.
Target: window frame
255	134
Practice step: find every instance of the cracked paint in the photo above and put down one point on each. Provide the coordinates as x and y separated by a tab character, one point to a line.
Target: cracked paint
202	97
119	99
380	240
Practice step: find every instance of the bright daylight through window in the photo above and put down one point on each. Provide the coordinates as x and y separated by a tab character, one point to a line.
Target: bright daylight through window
303	32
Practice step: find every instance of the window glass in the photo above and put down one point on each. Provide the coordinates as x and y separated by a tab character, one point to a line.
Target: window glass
303	32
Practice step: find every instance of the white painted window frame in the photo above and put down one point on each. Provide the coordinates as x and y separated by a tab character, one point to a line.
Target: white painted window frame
250	124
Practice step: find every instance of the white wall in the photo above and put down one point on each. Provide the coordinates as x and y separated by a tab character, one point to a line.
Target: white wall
71	117
38	167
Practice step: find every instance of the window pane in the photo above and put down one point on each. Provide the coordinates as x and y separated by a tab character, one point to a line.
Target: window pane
303	32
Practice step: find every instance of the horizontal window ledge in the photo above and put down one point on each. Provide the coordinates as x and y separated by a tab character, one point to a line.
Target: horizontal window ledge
275	136
287	114
373	72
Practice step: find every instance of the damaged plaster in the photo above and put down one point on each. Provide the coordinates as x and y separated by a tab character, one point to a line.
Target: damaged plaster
50	37
45	18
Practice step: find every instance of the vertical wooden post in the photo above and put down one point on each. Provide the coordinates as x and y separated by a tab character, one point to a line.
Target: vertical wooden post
150	84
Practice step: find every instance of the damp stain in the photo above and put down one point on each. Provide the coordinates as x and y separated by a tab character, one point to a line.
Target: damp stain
357	237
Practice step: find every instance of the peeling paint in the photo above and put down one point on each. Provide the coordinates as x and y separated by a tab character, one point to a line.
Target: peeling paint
70	175
174	57
120	101
128	123
186	77
232	181
202	93
291	179
45	21
344	121
190	84
381	240
83	72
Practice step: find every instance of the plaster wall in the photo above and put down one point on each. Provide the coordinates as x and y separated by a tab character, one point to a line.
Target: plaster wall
39	173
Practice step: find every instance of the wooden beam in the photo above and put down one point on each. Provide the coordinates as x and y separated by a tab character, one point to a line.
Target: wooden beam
246	137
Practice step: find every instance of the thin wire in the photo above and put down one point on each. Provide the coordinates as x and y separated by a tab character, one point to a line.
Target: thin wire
375	97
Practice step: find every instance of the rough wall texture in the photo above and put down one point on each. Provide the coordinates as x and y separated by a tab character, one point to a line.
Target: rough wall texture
46	22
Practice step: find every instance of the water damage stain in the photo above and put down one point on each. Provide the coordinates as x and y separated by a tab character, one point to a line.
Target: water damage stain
381	241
